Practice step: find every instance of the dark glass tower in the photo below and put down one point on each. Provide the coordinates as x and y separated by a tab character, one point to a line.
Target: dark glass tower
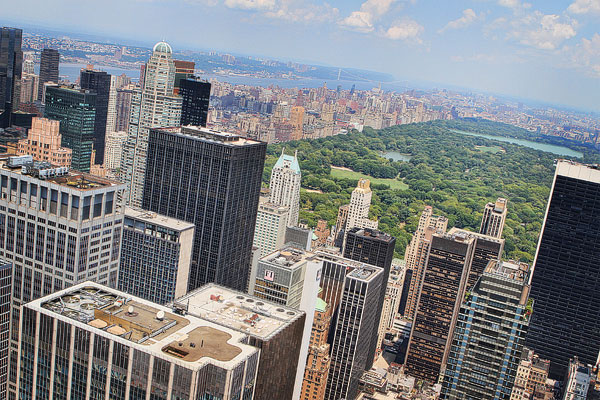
48	69
11	60
375	248
196	95
211	179
98	82
566	277
76	111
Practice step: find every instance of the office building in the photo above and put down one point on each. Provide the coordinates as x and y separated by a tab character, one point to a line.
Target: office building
29	87
299	237
48	70
494	217
374	248
98	82
111	115
271	223
60	228
391	302
123	108
154	105
577	382
566	276
11	66
297	121
318	361
183	70
76	111
155	256
284	185
442	291
195	95
43	143
489	335
274	328
416	255
109	344
211	179
113	151
353	331
5	288
532	373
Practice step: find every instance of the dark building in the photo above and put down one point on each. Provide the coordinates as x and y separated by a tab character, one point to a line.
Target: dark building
5	287
76	111
123	105
446	273
408	274
11	64
48	69
183	70
196	95
211	179
353	331
99	83
566	277
372	247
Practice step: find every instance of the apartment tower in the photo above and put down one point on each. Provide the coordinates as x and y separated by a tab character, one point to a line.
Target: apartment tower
285	185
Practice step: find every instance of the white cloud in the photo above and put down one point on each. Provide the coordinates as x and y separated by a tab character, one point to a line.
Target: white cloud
364	19
468	17
251	4
545	32
514	4
290	10
585	7
586	55
404	30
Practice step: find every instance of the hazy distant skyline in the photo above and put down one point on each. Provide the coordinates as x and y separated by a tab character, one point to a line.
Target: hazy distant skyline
540	50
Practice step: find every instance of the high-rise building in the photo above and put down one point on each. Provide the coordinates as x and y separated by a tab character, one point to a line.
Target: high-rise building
358	209
532	373
285	185
566	274
374	248
494	217
11	60
155	256
93	342
154	105
195	95
123	109
299	237
340	225
290	277
318	361
111	116
271	223
5	288
183	70
577	382
489	335
43	143
76	111
60	228
353	331
444	282
48	70
113	151
29	86
99	83
391	302
274	328
211	179
297	121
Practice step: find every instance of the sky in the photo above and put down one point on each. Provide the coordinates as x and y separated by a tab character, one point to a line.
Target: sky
540	50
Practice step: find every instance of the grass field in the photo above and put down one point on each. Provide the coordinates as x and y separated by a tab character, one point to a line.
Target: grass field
344	173
490	149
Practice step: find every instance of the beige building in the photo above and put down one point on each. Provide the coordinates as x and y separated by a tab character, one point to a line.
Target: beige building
494	216
530	382
358	209
113	151
271	223
43	143
318	361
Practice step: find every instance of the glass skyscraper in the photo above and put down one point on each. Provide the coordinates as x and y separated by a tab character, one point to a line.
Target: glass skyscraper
11	60
195	94
98	82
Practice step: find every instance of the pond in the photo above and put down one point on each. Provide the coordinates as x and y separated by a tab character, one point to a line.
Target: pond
396	156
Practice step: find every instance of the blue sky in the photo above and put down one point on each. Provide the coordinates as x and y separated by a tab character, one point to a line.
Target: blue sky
543	50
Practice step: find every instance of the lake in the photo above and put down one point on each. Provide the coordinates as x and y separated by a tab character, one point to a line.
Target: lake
396	156
550	148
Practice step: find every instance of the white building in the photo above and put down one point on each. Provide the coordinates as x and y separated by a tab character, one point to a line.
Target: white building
271	224
358	209
578	381
285	185
111	116
113	151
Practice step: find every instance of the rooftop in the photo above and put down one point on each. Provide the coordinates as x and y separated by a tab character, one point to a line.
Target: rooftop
457	232
288	257
146	326
288	161
374	233
213	135
272	208
572	169
157	219
239	311
365	273
515	270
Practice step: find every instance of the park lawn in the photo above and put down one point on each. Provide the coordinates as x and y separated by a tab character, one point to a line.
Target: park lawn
392	183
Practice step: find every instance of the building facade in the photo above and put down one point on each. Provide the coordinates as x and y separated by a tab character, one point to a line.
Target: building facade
99	83
43	143
5	298
530	382
195	94
271	223
155	256
11	65
115	141
318	361
211	179
494	217
577	382
49	61
358	209
284	185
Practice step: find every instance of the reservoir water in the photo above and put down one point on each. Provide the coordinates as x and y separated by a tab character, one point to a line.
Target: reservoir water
396	156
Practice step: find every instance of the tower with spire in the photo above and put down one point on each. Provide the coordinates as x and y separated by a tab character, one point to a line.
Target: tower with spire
285	185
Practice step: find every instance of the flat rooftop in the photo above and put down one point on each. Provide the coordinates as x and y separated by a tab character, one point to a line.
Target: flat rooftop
365	273
572	169
514	270
239	311
455	232
288	257
210	135
157	219
147	326
374	233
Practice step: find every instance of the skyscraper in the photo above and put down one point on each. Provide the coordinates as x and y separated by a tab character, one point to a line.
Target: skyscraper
353	331
155	256
358	209
566	277
43	143
211	179
489	335
113	151
494	216
76	111
318	361
271	223
5	288
99	83
11	60
123	109
374	248
154	105
195	94
109	344
285	185
48	70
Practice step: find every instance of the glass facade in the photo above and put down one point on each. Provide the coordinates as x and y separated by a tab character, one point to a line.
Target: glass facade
99	83
196	95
